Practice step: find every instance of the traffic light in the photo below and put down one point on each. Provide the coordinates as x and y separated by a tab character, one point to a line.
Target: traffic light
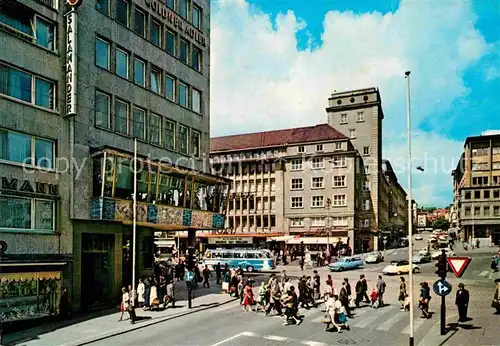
442	266
190	259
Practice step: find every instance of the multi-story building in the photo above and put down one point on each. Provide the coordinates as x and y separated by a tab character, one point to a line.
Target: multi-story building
393	204
358	115
476	187
291	182
77	86
422	219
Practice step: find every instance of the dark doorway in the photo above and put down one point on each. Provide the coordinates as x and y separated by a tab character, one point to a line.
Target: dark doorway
97	269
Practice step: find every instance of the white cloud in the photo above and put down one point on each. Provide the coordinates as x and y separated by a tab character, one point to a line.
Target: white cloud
490	132
260	81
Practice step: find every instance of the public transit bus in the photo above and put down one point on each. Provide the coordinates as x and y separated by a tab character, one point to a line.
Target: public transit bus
249	259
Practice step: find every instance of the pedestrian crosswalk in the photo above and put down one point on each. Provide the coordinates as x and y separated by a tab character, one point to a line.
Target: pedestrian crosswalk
386	319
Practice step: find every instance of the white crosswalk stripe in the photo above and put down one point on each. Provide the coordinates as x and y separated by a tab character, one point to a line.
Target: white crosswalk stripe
387	325
369	320
484	273
416	324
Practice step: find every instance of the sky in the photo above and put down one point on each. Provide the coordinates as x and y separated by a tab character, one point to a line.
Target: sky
274	63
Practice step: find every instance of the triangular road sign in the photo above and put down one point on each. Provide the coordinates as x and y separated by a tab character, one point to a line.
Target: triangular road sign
458	265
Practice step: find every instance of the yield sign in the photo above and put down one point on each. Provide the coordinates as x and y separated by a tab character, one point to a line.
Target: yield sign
458	265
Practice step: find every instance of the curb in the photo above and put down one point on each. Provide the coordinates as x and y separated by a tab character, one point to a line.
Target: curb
135	327
438	340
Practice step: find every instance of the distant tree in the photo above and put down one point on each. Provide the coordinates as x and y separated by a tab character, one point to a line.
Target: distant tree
441	223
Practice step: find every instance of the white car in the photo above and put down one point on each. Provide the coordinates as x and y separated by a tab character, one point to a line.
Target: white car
418	237
400	267
437	253
374	257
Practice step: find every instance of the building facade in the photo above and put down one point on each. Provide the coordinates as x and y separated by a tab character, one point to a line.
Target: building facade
358	115
78	86
294	182
476	187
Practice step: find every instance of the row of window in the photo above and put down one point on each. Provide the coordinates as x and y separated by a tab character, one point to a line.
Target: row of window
27	87
159	82
317	182
485	151
486	194
360	117
318	201
158	34
252	221
137	122
320	148
21	213
26	149
487	211
257	204
25	23
318	163
185	8
483	166
319	221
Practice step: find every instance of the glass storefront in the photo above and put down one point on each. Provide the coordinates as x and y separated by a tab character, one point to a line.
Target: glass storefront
29	295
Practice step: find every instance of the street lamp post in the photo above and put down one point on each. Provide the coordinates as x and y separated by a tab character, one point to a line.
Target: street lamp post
134	223
410	225
328	204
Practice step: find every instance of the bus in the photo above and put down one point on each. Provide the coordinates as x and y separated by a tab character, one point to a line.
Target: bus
249	259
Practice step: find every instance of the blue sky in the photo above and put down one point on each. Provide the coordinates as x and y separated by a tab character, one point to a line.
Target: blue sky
275	62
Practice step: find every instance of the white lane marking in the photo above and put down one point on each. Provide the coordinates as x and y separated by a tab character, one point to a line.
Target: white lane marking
275	338
366	321
229	339
313	343
392	321
484	273
416	324
249	334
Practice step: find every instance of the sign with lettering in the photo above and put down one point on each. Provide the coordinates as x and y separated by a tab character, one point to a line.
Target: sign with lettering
230	240
176	21
26	186
71	26
224	231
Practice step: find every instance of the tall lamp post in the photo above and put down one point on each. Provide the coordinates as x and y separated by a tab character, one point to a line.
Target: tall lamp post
134	223
410	225
328	205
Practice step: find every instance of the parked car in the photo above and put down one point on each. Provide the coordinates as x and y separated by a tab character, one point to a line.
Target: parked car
437	253
345	263
374	257
400	267
418	237
421	258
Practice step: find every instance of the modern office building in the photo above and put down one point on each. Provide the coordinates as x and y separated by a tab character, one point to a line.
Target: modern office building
476	190
77	85
293	182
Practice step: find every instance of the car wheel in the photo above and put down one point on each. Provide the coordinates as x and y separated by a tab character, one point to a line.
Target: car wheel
416	270
399	273
341	269
250	269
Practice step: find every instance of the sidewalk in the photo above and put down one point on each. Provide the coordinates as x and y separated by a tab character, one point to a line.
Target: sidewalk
80	331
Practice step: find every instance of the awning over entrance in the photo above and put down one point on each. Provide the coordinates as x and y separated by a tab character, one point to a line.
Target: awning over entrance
284	238
316	240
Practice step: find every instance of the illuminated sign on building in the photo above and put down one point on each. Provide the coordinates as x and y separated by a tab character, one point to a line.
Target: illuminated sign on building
176	21
71	85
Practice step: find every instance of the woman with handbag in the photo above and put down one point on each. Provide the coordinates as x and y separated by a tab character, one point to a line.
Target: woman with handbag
496	298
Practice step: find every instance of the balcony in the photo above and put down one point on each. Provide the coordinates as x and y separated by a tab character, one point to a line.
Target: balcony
168	197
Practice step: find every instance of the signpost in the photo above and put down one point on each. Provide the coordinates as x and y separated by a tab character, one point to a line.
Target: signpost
442	288
458	265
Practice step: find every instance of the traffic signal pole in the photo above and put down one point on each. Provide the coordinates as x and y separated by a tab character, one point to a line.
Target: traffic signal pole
442	272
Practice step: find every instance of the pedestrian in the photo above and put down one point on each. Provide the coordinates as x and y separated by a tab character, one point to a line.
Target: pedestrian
340	314
327	292
302	262
361	290
274	297
141	290
262	303
348	288
496	298
124	303
344	299
64	306
493	265
462	302
218	273
207	274
330	313
381	290
291	307
374	298
241	288
425	297
402	292
131	305
248	300
317	286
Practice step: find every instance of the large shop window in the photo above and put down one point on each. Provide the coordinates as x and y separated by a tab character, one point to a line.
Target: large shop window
26	149
25	23
29	295
19	213
26	87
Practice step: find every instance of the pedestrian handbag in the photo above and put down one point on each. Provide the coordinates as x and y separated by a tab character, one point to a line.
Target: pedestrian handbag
225	286
495	304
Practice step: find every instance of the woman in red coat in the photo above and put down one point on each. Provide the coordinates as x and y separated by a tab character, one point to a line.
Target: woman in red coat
248	299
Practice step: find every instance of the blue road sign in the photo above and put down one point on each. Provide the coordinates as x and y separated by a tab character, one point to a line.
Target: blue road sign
189	276
442	288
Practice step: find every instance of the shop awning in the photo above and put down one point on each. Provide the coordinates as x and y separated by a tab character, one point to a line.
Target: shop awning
316	240
284	238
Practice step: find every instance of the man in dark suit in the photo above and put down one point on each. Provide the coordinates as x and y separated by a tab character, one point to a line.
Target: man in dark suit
462	302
